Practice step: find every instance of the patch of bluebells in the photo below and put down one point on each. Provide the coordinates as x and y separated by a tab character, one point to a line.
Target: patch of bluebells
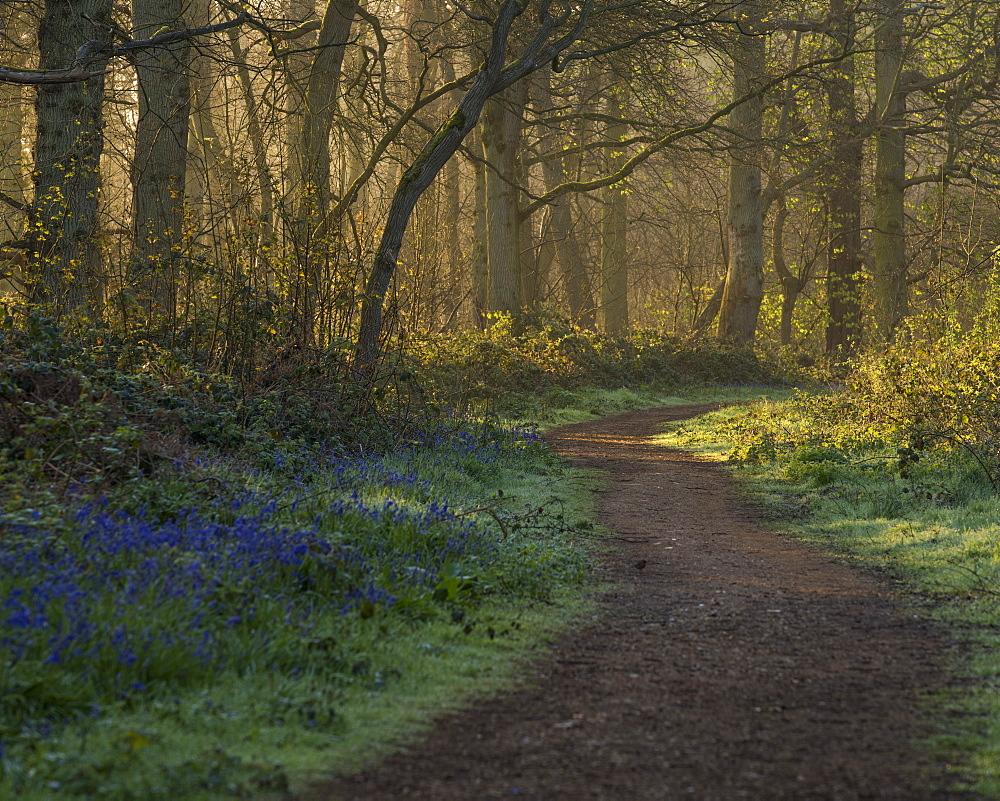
128	590
124	600
486	446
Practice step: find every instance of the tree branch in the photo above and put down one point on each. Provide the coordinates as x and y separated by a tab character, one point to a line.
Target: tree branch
665	141
94	52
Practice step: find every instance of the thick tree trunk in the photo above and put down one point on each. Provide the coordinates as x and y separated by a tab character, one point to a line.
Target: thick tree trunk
160	161
501	139
891	301
745	274
68	148
843	196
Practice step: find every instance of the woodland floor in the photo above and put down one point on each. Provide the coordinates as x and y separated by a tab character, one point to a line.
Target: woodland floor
735	663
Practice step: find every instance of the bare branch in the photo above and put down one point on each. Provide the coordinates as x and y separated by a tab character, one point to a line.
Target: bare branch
93	54
665	141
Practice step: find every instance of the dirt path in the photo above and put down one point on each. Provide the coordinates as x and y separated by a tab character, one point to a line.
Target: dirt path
735	663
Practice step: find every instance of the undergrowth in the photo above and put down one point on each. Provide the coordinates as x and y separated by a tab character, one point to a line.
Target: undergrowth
549	363
209	584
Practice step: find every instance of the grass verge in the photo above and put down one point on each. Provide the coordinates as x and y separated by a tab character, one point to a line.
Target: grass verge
929	523
563	406
298	627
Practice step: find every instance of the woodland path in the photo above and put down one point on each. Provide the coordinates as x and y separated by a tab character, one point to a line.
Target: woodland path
736	663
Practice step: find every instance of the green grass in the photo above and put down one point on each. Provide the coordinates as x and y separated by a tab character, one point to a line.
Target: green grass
247	735
303	703
931	526
562	406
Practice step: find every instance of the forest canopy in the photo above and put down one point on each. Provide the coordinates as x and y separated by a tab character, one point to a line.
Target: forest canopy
810	175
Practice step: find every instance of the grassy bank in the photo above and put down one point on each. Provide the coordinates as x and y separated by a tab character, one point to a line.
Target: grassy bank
216	586
293	627
888	498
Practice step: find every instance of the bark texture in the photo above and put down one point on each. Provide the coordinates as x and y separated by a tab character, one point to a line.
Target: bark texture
160	161
891	301
745	273
68	147
843	195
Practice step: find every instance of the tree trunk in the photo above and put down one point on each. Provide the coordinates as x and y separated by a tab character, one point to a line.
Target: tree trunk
480	243
68	149
258	144
317	114
577	276
843	196
320	106
501	140
614	243
159	163
891	301
710	312
530	269
791	285
745	274
14	179
451	216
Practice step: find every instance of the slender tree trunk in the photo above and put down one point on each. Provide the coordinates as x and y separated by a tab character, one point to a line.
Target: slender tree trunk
318	112
321	92
614	243
501	140
891	301
480	242
710	312
296	202
560	248
583	309
451	215
575	270
843	196
745	274
160	161
14	180
258	145
68	147
791	285
530	268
